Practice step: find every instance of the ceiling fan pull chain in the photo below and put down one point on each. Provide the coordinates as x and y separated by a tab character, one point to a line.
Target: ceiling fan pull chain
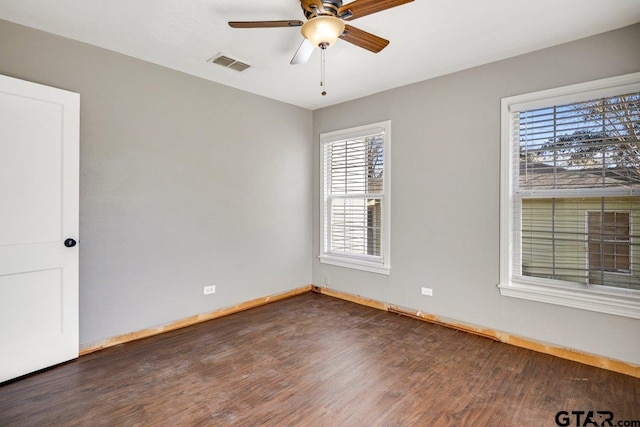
323	80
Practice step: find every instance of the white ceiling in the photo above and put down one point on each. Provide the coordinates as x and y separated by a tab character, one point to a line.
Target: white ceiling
428	38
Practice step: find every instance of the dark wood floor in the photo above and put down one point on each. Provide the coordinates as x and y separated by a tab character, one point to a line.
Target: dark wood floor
313	360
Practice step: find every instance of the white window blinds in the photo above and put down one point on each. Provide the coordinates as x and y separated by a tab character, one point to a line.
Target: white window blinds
576	191
354	205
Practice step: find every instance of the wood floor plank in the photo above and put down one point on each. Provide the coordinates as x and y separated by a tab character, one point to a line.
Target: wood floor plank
314	360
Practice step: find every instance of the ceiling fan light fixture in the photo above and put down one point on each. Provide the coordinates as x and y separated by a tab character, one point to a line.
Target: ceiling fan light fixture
322	31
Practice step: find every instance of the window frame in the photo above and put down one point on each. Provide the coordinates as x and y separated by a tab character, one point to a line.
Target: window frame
376	264
616	301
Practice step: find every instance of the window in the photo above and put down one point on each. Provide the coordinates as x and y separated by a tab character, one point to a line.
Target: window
570	196
609	245
355	198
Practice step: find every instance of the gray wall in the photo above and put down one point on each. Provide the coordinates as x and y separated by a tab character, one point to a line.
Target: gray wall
445	178
183	183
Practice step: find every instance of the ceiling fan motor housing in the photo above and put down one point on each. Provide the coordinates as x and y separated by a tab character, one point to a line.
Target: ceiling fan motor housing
330	8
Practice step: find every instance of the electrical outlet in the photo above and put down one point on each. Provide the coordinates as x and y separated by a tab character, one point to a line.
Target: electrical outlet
210	289
427	291
327	280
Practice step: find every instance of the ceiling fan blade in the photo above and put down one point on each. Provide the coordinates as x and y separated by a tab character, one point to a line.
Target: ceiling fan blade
264	24
359	8
363	39
303	53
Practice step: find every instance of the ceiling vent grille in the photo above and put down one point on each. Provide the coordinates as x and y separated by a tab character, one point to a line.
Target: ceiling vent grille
227	62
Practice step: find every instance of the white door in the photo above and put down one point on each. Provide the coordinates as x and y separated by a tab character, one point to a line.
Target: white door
39	146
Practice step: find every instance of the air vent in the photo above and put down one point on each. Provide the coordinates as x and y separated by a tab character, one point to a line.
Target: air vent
227	62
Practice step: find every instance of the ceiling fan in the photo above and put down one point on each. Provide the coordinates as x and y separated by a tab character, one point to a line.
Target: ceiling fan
325	24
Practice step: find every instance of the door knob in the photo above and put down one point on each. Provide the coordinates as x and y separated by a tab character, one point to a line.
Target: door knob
70	243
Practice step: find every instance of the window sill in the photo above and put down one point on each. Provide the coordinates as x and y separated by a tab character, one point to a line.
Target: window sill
619	302
357	264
